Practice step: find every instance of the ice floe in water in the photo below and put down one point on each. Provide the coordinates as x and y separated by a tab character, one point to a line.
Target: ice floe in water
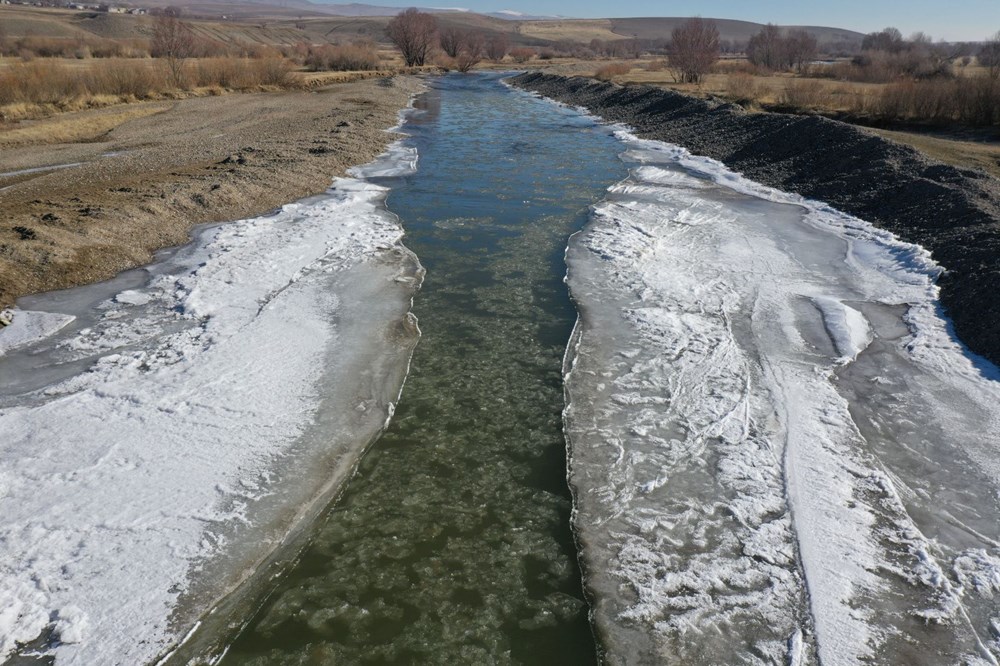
779	454
191	419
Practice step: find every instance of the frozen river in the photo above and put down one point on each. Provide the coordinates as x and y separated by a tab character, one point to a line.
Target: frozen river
777	451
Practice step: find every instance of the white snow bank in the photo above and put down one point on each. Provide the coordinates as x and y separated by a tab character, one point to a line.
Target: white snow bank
117	483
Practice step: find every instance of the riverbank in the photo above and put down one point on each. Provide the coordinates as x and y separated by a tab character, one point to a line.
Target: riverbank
950	211
86	195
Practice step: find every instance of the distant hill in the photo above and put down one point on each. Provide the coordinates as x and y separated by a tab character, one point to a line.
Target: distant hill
729	29
292	21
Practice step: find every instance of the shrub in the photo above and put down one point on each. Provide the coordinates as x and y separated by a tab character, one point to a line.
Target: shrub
803	94
134	78
271	71
522	54
742	87
242	73
39	82
610	71
344	58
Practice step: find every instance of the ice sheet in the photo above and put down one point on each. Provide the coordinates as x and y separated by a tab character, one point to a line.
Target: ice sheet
119	484
736	502
29	327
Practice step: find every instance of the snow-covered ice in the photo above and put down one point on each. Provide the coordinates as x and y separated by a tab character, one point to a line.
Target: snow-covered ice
778	452
28	327
157	446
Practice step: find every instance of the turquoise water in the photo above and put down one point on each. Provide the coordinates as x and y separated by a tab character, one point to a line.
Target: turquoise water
452	544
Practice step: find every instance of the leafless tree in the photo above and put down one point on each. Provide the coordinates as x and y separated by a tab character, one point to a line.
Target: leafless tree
497	47
769	49
414	32
801	48
173	41
451	41
694	49
471	51
989	56
889	39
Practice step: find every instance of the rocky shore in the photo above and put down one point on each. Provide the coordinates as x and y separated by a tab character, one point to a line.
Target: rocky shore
953	212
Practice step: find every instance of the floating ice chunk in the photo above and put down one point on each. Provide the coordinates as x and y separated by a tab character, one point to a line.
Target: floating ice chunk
27	327
133	297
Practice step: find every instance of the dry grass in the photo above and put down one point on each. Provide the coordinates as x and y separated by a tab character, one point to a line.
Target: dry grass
41	87
342	58
74	129
805	94
612	70
241	73
742	88
80	47
976	154
970	100
572	31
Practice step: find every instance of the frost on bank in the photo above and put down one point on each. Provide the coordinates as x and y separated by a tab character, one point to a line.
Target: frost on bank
778	453
159	444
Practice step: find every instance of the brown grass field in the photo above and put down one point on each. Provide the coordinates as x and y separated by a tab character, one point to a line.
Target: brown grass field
72	84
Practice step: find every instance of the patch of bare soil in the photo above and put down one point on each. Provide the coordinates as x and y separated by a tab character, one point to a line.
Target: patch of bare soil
140	181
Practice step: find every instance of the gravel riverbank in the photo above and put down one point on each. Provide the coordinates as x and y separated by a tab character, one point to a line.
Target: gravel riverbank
953	212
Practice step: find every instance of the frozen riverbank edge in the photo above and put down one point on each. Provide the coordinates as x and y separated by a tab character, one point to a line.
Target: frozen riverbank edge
223	395
952	212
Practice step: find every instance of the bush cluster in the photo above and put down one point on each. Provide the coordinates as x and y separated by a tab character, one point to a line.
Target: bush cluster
47	82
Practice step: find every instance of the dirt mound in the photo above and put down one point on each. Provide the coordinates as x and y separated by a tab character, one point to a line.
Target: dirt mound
953	212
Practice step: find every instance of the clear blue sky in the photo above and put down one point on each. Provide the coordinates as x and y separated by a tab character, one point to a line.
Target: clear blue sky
942	19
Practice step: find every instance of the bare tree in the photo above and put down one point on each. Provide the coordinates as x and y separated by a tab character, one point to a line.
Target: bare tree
694	49
173	41
989	56
769	49
414	32
889	39
470	51
801	48
451	41
497	47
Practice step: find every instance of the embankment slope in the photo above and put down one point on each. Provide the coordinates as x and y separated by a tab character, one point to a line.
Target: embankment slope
953	212
141	184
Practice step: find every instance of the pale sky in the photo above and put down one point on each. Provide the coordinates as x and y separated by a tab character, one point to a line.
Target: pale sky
942	19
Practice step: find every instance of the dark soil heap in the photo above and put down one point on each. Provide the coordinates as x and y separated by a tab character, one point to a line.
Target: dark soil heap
953	212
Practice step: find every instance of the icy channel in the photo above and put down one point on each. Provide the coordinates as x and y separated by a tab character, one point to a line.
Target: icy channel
164	433
778	451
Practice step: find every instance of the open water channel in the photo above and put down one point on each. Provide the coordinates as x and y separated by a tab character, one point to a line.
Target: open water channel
452	543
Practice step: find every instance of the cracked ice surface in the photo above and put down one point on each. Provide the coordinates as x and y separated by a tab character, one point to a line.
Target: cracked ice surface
778	453
180	420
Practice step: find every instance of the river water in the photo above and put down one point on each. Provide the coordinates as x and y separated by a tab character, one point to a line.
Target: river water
452	544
